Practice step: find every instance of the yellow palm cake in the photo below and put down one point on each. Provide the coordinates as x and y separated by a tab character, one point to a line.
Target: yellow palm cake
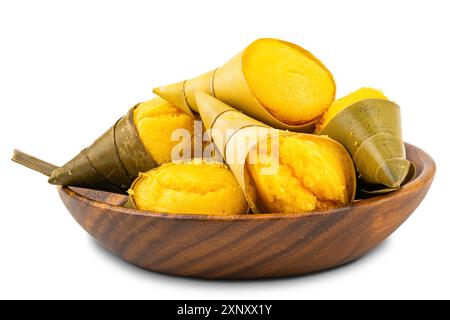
288	81
193	187
155	121
313	173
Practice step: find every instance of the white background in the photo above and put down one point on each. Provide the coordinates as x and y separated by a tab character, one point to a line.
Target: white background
68	70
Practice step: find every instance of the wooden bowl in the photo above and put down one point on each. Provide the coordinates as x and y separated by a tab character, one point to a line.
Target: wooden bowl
247	246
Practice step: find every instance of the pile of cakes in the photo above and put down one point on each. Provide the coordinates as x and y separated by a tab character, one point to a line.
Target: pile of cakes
272	139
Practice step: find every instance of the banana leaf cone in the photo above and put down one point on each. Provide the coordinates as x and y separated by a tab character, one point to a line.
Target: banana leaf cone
228	83
230	129
111	163
371	131
235	135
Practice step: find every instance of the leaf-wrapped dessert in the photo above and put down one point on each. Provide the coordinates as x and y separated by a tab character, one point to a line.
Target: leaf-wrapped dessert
276	82
369	126
155	122
138	142
312	174
195	187
279	171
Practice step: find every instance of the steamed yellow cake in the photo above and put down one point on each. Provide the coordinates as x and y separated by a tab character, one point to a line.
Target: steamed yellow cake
195	187
293	85
155	120
314	172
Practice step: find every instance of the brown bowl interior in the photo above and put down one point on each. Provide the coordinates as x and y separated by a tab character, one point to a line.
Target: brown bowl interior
252	245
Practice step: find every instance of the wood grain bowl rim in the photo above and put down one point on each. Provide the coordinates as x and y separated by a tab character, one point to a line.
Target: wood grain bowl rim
426	173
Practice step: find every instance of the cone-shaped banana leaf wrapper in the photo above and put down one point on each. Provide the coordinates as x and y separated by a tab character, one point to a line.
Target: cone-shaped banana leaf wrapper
235	136
371	131
273	81
111	163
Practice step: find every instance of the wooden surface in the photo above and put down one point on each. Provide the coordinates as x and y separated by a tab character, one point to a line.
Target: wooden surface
247	246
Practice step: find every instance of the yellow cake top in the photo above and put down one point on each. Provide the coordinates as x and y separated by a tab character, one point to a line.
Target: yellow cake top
196	187
292	84
155	121
314	173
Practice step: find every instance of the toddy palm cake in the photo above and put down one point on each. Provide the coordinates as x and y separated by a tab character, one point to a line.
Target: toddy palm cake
289	181
273	81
